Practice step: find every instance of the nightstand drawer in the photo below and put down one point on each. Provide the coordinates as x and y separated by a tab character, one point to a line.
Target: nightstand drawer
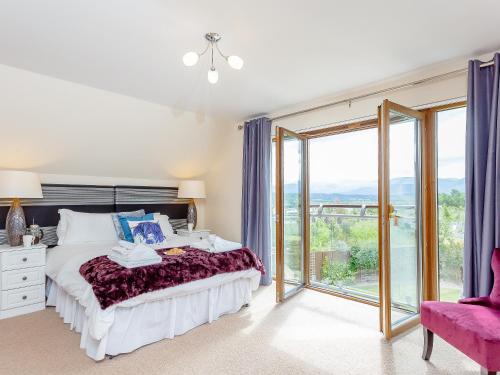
22	278
23	296
12	260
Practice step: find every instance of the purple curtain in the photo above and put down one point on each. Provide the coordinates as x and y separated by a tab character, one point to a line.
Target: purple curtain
482	177
256	195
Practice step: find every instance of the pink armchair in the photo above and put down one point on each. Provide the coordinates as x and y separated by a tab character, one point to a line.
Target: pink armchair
472	325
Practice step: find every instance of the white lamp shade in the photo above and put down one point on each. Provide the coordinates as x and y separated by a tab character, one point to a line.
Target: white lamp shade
190	58
213	76
20	184
235	62
192	189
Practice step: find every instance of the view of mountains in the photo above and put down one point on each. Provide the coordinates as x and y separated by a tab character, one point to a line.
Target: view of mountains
402	187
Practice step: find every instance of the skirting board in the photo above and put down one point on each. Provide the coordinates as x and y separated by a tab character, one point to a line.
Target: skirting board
4	314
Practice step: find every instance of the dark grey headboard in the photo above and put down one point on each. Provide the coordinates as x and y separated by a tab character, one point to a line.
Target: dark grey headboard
95	199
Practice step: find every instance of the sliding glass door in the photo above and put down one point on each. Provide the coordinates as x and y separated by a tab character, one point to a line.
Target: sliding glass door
400	217
291	213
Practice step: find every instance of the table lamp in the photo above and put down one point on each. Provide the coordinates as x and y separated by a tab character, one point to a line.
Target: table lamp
16	185
191	189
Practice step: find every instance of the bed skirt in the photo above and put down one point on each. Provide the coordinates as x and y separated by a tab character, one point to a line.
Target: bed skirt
149	322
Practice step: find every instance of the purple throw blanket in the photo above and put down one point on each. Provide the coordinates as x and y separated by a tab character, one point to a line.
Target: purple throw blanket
113	283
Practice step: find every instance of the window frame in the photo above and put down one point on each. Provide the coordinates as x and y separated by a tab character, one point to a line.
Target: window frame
430	237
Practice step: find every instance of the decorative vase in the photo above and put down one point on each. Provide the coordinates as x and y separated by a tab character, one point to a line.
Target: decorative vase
192	214
15	224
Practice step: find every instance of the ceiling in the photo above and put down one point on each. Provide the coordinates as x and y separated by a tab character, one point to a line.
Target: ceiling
294	51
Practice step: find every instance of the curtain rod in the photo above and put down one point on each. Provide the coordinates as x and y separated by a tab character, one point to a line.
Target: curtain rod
378	92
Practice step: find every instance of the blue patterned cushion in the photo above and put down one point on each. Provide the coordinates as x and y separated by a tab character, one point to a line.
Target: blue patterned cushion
146	232
116	220
127	233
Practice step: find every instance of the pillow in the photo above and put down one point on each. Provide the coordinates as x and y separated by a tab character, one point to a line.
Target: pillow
165	225
82	227
62	226
116	220
146	232
127	234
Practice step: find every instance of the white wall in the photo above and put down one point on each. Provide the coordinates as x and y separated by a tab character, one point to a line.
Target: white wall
229	166
71	133
224	187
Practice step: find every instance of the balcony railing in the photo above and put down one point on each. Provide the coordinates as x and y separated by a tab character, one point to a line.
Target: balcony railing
341	262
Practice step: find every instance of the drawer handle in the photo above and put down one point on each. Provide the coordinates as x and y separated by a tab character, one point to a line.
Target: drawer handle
24	297
25	259
25	278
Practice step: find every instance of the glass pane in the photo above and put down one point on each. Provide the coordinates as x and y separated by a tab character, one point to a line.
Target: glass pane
293	219
404	223
451	201
343	202
273	208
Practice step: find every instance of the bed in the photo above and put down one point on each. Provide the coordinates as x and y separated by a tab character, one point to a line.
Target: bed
144	319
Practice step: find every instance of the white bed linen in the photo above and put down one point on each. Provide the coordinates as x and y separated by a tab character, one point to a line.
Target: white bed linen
63	264
152	321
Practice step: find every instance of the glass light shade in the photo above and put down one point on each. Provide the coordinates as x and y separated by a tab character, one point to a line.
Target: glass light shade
190	58
235	62
213	76
191	189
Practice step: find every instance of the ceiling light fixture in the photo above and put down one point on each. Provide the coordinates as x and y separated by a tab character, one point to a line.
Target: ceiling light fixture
191	58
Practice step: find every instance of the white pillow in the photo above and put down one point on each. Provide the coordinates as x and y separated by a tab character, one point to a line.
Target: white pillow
62	226
82	227
165	225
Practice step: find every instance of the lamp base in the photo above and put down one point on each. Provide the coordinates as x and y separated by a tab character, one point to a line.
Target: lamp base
192	214
15	224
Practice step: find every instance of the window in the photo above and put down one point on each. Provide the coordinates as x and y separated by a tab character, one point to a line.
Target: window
343	208
343	202
451	200
273	208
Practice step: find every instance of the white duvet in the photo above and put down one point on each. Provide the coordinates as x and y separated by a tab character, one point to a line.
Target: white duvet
63	264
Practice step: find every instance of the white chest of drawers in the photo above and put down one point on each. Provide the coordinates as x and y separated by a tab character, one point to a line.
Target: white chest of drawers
22	280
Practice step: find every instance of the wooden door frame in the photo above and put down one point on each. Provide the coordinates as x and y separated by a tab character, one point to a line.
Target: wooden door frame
385	297
430	251
430	266
280	288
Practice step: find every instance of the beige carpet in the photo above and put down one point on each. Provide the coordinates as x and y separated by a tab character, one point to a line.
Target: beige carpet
313	333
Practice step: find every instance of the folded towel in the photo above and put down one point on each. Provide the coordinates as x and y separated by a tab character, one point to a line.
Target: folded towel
127	245
136	257
221	245
215	244
134	264
120	250
138	253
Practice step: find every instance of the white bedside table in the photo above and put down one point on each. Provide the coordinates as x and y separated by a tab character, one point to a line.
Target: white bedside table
195	233
22	279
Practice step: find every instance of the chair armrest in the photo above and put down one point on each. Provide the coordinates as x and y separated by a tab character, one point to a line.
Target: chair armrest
482	301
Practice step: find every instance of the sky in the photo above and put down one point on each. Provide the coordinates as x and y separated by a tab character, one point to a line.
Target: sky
351	158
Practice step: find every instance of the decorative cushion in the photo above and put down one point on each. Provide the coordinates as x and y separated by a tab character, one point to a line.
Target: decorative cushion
495	266
116	220
124	222
146	232
165	225
82	227
473	329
